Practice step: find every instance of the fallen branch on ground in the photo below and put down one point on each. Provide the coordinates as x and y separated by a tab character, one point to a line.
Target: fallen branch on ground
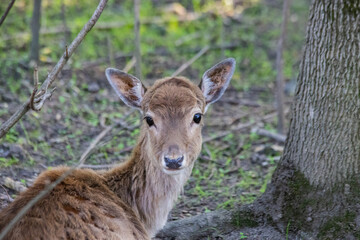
277	137
211	224
14	185
198	226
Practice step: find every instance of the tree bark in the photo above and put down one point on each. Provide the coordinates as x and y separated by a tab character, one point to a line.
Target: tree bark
316	186
315	190
35	31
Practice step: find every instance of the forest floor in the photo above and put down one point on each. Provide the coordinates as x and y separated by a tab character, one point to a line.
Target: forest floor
234	166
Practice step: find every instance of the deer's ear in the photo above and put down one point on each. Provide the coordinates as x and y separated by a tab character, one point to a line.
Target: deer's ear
215	80
128	88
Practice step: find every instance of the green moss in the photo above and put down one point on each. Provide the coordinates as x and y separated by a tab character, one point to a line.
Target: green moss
338	226
244	219
301	197
297	201
351	8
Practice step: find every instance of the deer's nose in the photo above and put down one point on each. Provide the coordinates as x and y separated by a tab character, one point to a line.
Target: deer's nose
173	163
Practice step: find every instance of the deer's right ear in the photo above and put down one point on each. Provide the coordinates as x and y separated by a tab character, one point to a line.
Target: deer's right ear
128	88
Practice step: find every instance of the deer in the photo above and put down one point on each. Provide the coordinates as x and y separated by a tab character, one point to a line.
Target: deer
133	199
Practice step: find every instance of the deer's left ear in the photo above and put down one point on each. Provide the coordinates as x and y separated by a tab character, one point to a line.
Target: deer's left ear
215	80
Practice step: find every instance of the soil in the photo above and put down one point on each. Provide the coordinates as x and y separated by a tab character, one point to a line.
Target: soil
56	123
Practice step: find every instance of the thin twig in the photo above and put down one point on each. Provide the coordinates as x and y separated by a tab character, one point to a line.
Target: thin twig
105	166
66	52
94	142
10	198
36	83
6	12
191	61
130	65
102	134
46	94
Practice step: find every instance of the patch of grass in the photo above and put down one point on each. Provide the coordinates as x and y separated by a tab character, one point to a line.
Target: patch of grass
12	136
287	230
242	236
230	203
7	162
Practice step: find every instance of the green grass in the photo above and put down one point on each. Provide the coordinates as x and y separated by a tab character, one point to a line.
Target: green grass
7	162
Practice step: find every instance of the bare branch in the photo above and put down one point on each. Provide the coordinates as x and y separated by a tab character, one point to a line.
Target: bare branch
106	166
10	199
34	92
44	92
191	61
102	134
66	52
7	11
94	142
129	65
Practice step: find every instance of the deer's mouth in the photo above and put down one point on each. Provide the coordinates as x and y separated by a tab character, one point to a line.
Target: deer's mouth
171	171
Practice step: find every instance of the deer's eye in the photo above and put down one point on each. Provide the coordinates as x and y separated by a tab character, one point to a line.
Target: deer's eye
149	121
197	118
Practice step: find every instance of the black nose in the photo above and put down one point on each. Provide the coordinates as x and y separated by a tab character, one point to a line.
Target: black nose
173	163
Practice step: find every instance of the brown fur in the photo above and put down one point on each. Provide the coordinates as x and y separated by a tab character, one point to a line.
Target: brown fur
131	201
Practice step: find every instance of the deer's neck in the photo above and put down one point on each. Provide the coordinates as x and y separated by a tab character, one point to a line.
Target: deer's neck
148	190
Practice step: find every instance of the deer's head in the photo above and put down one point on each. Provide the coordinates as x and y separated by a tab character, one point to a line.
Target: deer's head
173	110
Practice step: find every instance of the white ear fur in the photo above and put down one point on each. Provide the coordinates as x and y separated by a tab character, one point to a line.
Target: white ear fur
215	80
128	88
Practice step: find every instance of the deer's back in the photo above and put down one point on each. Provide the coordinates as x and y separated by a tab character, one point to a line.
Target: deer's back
80	207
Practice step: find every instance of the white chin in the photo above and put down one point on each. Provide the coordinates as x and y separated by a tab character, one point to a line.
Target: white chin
173	172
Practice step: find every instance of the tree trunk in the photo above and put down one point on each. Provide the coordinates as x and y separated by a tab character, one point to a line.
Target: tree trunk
315	190
316	187
35	31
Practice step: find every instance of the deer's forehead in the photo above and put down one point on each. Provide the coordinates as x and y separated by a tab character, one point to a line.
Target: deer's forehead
173	102
174	96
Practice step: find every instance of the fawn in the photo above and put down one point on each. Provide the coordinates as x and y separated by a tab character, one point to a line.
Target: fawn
133	200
